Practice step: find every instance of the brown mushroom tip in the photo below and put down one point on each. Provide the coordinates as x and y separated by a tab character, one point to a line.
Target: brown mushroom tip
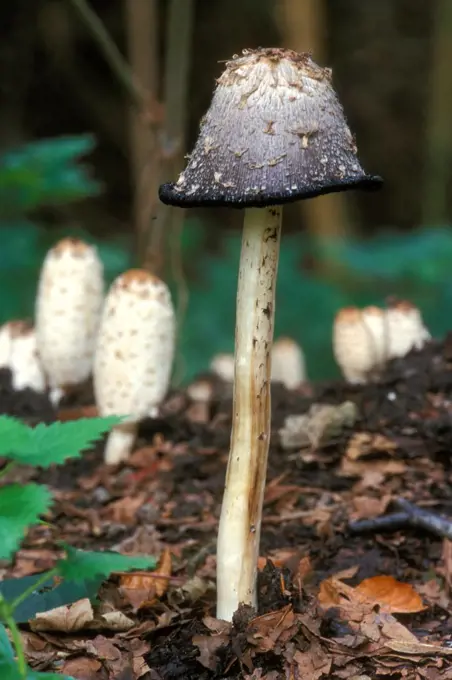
275	133
137	276
19	327
348	315
75	245
401	305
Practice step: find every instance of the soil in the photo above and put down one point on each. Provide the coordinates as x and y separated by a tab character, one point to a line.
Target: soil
310	622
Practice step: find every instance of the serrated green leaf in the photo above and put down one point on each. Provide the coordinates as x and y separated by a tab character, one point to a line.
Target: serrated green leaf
80	564
45	445
20	507
6	650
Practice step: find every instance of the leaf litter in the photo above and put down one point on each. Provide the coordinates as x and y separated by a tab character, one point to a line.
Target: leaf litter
332	603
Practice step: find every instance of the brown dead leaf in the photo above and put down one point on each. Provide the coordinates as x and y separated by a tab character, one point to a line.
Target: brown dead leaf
142	588
415	648
392	596
125	509
264	631
208	646
435	594
83	667
366	507
77	413
360	468
65	619
365	443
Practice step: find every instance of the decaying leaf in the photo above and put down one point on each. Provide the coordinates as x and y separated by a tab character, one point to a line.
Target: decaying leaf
142	588
391	595
79	616
320	424
364	443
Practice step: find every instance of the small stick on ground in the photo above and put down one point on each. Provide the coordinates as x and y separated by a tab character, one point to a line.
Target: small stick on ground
409	515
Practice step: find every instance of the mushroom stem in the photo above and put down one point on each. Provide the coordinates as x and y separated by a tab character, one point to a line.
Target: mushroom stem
241	513
120	442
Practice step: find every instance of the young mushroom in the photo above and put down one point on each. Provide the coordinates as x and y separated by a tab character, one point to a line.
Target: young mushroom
288	363
134	356
406	330
68	307
360	342
275	133
19	353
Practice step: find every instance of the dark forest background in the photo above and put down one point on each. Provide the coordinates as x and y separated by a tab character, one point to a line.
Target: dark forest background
101	99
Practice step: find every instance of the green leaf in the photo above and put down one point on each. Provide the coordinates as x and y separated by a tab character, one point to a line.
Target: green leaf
6	650
20	506
47	596
45	445
10	671
80	564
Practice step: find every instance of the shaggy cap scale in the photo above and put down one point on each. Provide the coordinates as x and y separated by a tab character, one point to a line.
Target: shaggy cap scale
275	132
135	346
68	306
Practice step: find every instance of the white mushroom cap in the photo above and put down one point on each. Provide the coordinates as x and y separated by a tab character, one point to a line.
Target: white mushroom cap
19	353
222	365
288	363
358	342
201	390
68	306
134	354
406	329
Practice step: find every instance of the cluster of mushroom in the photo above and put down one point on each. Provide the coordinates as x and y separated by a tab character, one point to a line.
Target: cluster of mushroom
125	340
364	340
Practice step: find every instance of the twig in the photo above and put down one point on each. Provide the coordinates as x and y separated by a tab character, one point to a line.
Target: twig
418	517
409	515
392	522
110	51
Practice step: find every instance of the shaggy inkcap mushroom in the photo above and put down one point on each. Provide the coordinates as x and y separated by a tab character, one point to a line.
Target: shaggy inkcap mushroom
68	307
134	355
275	133
360	340
19	353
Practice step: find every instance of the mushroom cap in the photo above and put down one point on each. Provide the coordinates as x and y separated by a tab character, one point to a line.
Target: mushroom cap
135	346
275	133
358	342
406	329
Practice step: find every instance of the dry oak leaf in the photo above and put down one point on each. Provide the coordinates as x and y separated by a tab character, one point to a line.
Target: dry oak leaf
364	443
392	596
142	588
65	619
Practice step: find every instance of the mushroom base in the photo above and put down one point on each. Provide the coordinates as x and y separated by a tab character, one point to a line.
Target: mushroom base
240	522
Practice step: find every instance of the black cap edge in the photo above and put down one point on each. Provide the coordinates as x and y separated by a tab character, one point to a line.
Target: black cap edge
216	198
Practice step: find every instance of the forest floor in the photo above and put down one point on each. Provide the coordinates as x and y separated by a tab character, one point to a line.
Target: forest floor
316	618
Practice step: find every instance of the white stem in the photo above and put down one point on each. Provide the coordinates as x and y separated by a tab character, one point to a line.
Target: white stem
119	443
241	513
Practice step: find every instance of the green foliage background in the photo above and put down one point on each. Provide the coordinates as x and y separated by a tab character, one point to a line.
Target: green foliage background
414	265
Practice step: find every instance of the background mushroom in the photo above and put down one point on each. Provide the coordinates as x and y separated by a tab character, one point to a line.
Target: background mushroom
68	306
274	133
19	353
134	355
288	363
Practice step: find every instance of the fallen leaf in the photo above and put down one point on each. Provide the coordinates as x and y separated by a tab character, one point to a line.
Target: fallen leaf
141	588
418	648
208	646
125	509
66	619
364	443
391	595
82	667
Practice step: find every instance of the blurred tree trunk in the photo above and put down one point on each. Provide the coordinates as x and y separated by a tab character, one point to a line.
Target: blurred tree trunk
438	152
142	41
302	25
178	46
